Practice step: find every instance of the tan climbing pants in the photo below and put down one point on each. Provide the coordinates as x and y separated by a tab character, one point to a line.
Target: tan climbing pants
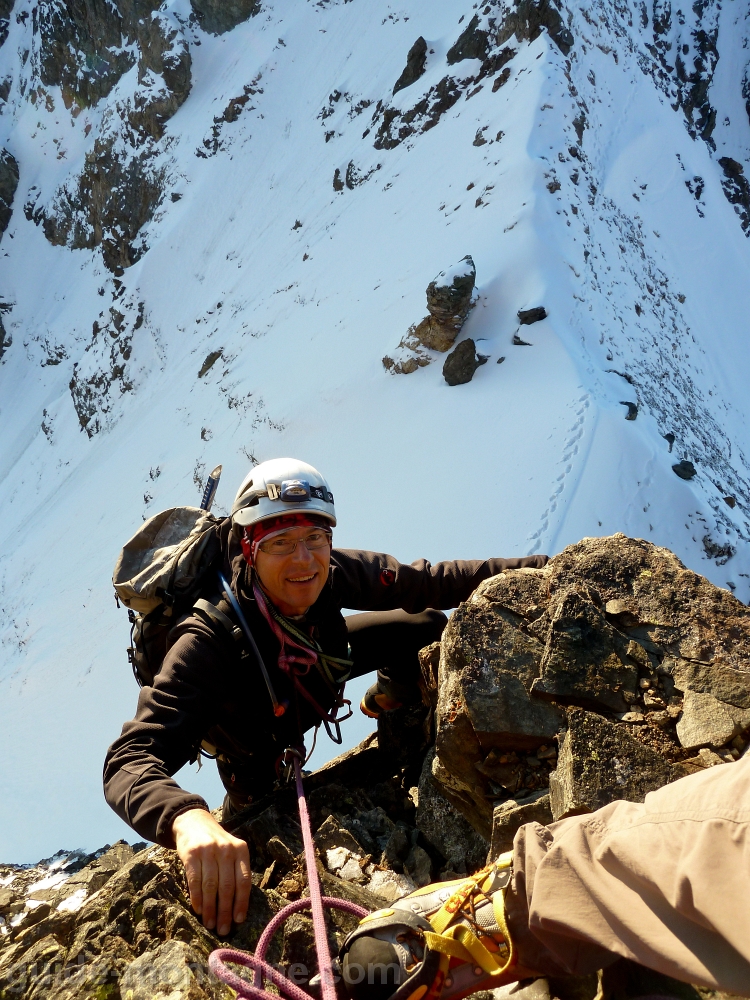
665	883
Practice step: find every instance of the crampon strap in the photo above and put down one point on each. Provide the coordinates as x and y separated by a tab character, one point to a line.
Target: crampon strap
458	940
317	902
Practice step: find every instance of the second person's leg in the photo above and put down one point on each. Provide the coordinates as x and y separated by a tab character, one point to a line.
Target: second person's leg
389	642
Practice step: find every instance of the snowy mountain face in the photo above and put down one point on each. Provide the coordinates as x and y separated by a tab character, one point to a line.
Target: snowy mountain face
221	217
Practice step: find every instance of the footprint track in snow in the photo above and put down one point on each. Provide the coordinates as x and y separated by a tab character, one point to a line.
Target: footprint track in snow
565	464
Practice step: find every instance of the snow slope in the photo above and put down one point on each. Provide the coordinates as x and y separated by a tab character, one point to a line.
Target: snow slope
303	289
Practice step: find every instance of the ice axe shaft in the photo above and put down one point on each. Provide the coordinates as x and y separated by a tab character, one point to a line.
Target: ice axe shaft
212	484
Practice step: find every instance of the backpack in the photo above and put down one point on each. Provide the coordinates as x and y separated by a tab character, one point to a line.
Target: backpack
160	575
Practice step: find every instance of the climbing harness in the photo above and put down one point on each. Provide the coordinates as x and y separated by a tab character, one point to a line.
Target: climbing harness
316	902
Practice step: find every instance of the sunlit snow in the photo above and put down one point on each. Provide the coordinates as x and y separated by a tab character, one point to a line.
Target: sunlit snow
533	454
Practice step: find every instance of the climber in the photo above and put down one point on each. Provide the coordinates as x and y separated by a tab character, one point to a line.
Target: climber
664	884
211	691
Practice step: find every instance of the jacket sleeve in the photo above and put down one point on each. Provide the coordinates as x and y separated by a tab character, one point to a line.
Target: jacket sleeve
374	581
171	718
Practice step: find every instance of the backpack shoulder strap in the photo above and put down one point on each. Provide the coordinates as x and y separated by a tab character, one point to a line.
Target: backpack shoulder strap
217	615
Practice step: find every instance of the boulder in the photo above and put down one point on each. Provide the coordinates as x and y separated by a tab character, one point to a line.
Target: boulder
461	363
684	469
657	658
449	298
599	761
528	316
508	817
585	660
708	722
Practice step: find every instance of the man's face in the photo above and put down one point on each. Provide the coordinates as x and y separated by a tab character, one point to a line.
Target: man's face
294	581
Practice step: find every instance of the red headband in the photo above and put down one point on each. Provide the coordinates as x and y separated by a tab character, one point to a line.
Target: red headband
254	534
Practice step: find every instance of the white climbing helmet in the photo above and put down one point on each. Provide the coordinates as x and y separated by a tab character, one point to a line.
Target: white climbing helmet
282	486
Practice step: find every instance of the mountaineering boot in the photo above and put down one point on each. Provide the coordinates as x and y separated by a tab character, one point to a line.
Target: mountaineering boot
375	702
388	694
442	942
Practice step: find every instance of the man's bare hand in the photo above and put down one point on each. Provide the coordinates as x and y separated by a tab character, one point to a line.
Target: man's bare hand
216	864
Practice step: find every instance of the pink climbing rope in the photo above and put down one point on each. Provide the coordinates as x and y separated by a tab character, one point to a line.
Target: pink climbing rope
317	902
319	923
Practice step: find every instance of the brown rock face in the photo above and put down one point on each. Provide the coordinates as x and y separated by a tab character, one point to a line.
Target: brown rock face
448	304
218	16
615	645
85	48
106	205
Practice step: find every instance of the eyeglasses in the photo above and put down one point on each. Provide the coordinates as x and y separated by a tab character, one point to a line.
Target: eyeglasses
284	546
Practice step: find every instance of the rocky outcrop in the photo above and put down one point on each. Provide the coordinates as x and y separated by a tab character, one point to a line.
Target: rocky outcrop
101	377
85	50
416	61
6	340
6	6
218	16
484	39
737	189
528	682
117	924
107	204
529	19
449	299
606	674
8	185
528	316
